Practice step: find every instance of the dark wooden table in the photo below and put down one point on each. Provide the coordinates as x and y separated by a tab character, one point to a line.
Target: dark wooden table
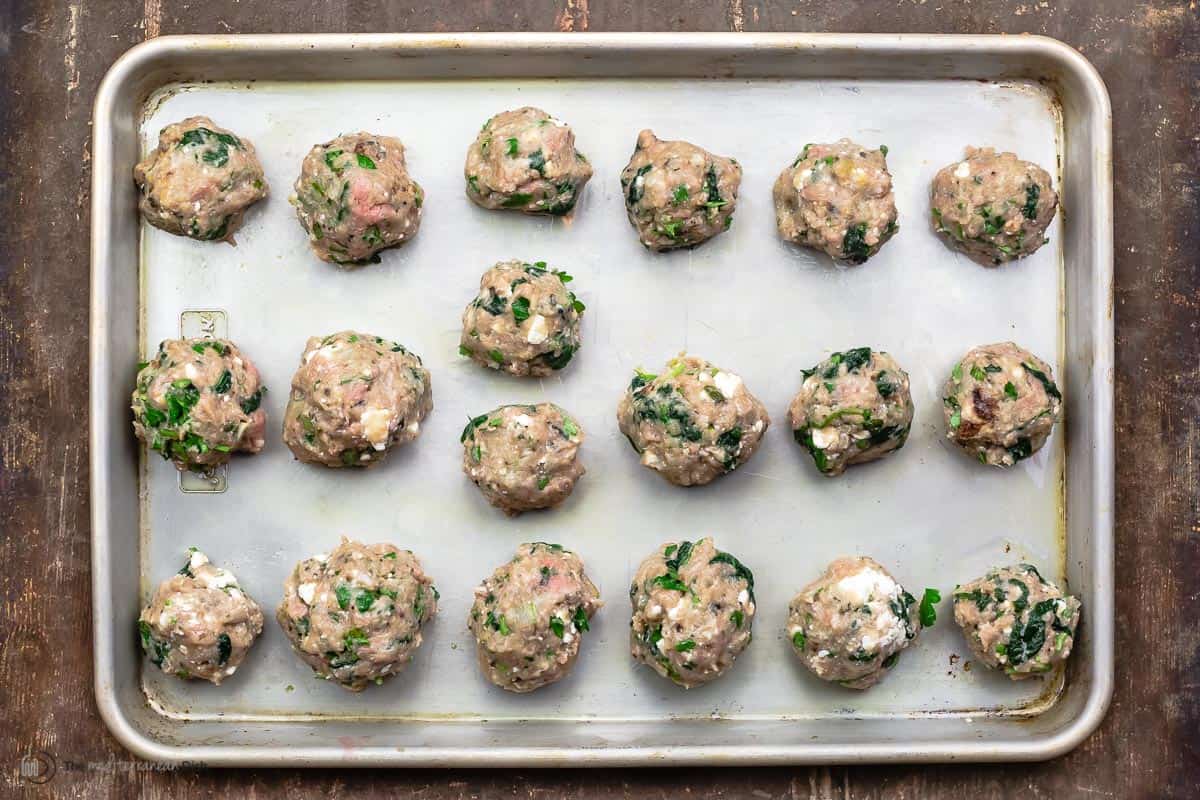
54	55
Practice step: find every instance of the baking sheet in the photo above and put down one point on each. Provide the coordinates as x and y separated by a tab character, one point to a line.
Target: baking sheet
745	300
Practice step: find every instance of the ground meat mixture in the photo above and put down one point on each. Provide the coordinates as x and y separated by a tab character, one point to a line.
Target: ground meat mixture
200	180
1017	621
528	618
523	457
354	398
355	197
355	615
693	608
199	624
850	625
525	160
693	423
837	198
678	194
1001	403
524	321
852	408
197	402
992	206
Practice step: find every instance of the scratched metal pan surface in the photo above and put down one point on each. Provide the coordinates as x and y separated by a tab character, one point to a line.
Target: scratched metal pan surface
745	300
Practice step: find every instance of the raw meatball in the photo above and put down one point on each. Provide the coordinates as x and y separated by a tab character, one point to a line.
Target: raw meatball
526	160
850	625
678	194
354	398
693	608
523	457
355	197
693	423
199	624
524	321
197	401
200	180
852	408
837	198
1001	403
992	206
529	617
1016	620
355	615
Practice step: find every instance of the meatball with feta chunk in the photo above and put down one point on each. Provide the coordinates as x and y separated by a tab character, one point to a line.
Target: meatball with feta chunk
355	615
354	398
199	181
693	610
837	198
850	625
200	623
852	408
678	194
523	457
524	321
1000	404
525	160
992	206
197	401
693	423
1017	621
355	197
530	615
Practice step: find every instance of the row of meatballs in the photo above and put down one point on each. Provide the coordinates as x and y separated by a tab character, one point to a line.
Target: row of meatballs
356	396
355	616
355	197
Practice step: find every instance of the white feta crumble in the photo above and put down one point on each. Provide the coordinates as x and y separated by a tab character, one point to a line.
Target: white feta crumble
824	437
860	586
963	170
307	592
376	423
727	382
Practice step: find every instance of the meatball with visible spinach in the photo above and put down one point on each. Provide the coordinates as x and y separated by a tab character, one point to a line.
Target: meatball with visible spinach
355	615
693	610
530	615
354	398
1017	621
1000	404
992	206
525	160
852	408
524	321
837	198
523	457
199	181
693	423
355	197
200	623
678	194
197	401
851	624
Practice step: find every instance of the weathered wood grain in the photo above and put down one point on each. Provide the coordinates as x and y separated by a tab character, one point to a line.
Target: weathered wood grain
53	56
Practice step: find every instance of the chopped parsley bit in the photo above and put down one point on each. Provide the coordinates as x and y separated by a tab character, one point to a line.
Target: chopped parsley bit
1010	391
927	611
977	373
686	646
496	356
680	194
799	640
463	350
364	161
557	626
520	309
512	147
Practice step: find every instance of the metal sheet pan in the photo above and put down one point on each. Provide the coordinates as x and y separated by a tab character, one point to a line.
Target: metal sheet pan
744	300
